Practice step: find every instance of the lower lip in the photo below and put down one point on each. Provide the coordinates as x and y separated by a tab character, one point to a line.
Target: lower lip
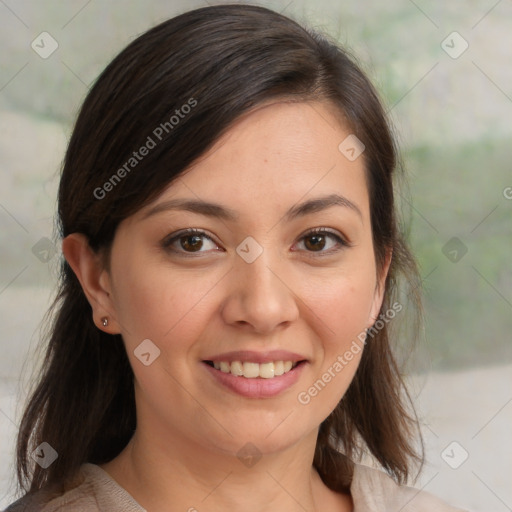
259	387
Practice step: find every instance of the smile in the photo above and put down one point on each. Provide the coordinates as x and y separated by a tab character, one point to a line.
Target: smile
252	370
255	380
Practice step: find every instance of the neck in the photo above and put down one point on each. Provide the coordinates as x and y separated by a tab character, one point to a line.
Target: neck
193	477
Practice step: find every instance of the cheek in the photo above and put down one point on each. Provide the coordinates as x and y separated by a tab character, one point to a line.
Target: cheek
343	310
163	304
343	304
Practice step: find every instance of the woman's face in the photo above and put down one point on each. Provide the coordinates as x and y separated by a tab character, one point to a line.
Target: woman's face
254	290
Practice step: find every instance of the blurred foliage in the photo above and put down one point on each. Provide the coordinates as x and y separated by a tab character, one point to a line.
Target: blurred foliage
457	191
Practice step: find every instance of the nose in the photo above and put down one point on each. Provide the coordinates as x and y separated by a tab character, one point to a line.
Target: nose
260	298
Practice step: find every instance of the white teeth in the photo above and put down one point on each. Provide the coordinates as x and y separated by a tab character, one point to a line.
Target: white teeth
251	370
278	368
267	370
237	368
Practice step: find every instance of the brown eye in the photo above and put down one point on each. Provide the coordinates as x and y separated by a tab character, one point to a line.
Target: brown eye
314	242
189	242
323	241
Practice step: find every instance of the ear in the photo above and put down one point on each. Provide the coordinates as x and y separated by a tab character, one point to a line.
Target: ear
380	288
94	278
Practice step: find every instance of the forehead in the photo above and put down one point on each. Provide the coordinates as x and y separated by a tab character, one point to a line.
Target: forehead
274	156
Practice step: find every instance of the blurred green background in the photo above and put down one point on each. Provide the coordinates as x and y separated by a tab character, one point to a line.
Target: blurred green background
452	117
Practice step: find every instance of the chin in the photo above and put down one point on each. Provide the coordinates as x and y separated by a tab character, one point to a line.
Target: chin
276	436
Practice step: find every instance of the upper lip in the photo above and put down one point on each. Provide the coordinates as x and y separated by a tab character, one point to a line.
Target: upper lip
256	357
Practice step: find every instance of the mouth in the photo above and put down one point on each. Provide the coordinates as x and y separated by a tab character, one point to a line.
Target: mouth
254	370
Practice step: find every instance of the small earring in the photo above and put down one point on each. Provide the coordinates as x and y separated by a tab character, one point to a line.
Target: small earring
104	321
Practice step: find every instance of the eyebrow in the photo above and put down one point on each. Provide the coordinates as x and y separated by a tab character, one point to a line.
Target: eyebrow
217	211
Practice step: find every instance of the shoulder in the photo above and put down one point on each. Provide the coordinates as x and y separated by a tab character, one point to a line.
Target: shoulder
93	491
373	489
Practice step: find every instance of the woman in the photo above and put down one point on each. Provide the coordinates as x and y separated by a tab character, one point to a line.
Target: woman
231	262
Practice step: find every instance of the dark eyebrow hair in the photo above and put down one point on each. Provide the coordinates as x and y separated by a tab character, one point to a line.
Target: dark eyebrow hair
319	204
216	210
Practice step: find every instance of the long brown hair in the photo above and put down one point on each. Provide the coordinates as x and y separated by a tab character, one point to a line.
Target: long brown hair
221	61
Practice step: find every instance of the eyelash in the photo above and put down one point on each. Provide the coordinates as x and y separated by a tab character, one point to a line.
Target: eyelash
168	241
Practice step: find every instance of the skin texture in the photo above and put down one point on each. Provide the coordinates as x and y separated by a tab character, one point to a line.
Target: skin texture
310	299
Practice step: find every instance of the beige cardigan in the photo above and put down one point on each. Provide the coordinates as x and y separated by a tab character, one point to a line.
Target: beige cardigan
372	491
